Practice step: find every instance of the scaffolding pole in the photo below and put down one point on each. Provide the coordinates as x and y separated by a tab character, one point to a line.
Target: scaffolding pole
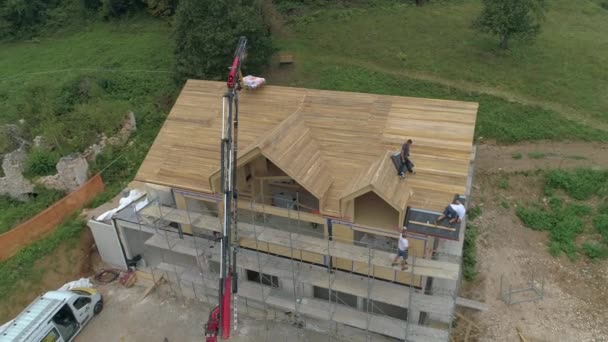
199	264
293	275
369	295
260	268
410	304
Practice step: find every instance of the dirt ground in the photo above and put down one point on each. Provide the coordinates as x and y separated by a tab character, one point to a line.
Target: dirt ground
65	264
575	304
492	158
127	318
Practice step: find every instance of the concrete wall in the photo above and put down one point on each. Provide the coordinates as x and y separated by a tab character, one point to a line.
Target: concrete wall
108	244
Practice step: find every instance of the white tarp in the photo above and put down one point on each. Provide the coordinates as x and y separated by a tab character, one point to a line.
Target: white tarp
125	201
253	82
82	282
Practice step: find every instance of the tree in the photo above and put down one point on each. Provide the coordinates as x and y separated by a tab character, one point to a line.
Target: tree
206	33
509	19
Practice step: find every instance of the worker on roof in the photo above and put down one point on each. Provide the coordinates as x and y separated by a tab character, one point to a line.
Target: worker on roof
402	249
455	212
405	159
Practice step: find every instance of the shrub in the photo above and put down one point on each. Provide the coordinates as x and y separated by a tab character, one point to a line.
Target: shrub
206	34
517	155
118	8
601	224
509	19
602	208
563	236
595	251
578	209
13	212
580	184
474	212
536	218
41	163
469	253
504	184
537	155
78	90
556	203
162	8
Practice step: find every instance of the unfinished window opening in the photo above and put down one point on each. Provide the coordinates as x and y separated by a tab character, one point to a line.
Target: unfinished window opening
336	296
385	309
265	279
199	206
373	211
379	242
286	224
290	195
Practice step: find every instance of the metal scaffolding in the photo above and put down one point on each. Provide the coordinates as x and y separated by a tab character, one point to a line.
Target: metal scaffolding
354	298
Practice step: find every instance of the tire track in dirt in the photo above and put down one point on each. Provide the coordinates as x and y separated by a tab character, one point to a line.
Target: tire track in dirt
551	155
564	110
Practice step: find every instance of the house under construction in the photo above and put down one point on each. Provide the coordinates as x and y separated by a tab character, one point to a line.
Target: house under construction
320	206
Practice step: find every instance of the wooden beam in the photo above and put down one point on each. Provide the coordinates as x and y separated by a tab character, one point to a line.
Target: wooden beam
521	336
273	177
432	225
151	287
423	267
267	209
471	304
464	318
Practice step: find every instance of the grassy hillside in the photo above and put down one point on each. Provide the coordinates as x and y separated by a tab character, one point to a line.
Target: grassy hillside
73	86
565	70
138	50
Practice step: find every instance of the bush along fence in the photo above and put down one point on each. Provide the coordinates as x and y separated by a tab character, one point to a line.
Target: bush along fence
46	221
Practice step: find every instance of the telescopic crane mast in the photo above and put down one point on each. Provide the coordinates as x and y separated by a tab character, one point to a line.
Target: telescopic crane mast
229	148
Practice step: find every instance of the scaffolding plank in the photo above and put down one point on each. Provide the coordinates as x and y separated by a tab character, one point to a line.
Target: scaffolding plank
422	222
181	216
174	243
423	267
472	304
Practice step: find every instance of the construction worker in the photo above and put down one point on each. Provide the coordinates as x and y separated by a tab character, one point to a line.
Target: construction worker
455	212
405	159
402	249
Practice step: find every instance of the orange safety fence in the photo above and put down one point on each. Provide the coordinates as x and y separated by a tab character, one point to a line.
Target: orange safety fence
46	221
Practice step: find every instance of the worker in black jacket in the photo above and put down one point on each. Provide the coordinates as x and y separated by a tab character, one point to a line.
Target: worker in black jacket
405	159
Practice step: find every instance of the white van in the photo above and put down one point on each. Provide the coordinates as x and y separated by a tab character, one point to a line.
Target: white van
56	316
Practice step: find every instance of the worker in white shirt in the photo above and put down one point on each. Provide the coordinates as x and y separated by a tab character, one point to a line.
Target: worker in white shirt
455	212
402	250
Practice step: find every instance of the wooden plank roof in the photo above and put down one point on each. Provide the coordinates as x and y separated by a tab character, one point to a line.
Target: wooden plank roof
380	177
323	139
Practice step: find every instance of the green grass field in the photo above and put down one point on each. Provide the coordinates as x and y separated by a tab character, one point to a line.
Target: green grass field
565	69
137	50
129	59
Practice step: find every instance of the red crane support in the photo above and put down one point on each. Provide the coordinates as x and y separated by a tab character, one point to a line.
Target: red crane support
219	319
